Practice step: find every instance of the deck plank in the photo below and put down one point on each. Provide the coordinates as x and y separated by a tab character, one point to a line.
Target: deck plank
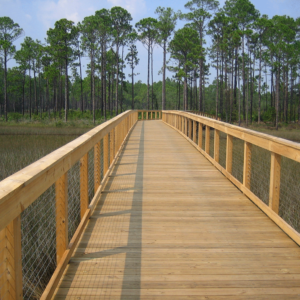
170	226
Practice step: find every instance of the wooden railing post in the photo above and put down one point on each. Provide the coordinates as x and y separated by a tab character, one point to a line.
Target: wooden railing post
97	167
200	135
147	115
61	195
217	146
11	261
275	182
207	139
84	188
247	165
229	145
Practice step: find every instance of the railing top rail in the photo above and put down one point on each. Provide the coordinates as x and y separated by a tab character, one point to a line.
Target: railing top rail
141	110
21	189
274	144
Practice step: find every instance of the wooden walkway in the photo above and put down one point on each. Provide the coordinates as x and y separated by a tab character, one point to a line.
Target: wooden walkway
170	226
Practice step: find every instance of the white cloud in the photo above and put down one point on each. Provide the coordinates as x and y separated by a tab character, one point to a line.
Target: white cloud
49	11
28	16
133	6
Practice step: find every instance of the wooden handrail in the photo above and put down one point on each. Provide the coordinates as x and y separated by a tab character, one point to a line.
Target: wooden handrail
202	114
276	146
21	189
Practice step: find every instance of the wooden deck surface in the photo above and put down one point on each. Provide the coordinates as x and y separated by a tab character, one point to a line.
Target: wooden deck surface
170	226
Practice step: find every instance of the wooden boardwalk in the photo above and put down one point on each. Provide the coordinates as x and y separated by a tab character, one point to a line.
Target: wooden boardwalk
170	226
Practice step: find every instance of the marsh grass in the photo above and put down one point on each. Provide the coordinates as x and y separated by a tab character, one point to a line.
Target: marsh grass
19	147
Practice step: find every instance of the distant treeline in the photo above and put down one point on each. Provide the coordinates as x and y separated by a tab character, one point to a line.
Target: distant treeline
256	61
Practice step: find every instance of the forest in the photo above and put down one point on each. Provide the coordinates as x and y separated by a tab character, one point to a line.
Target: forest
255	60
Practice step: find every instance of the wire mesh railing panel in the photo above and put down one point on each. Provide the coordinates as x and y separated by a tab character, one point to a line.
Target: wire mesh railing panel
222	151
211	143
197	133
238	158
203	137
38	226
73	199
289	200
91	174
260	173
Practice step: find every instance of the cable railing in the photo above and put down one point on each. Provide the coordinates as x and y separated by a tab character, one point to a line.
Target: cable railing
45	207
265	168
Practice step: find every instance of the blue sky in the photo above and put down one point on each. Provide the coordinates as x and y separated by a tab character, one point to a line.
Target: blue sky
37	16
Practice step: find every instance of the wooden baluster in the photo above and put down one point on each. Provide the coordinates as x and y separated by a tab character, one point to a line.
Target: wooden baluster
61	196
190	128
207	139
147	115
274	193
105	154
200	135
194	131
247	165
84	188
97	167
112	146
11	286
217	146
185	126
229	146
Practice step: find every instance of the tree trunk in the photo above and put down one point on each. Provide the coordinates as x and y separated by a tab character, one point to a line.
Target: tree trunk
299	102
81	92
30	93
35	92
259	85
66	90
152	76
103	83
117	81
217	89
244	85
121	101
277	95
93	84
185	88
5	86
132	89
252	88
148	76
235	77
164	76
239	83
23	95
